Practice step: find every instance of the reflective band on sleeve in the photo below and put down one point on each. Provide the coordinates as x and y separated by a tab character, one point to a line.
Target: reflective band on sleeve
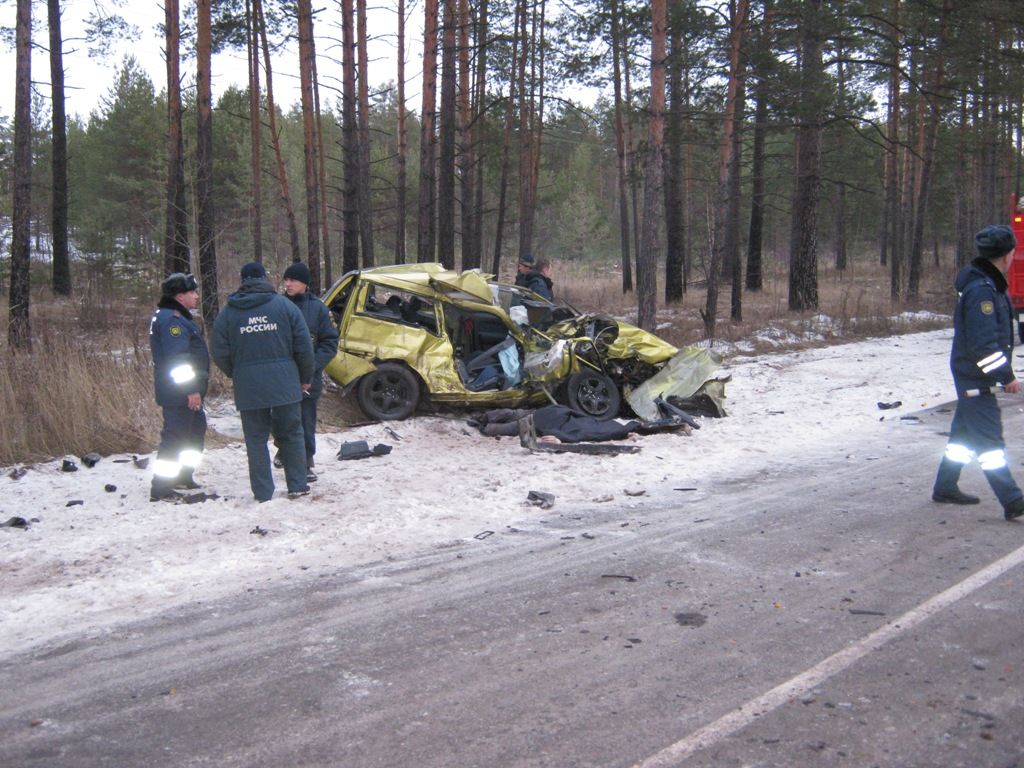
961	454
182	373
997	363
166	468
190	458
986	360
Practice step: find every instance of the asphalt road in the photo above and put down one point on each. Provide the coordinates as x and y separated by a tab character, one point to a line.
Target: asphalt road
825	615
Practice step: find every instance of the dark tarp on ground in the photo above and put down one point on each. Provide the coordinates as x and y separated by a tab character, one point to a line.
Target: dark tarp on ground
559	421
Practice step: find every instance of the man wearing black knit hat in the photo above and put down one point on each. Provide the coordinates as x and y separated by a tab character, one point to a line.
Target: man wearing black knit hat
981	362
324	336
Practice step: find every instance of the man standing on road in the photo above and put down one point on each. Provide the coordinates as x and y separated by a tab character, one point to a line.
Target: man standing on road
181	369
325	346
981	361
261	341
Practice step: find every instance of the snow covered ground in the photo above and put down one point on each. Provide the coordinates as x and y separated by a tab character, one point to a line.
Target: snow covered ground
116	557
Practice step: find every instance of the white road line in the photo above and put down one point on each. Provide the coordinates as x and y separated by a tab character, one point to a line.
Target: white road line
745	714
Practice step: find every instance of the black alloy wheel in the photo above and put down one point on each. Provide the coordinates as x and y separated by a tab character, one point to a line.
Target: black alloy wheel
390	393
594	394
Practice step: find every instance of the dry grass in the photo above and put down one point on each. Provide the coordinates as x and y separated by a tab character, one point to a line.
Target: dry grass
87	385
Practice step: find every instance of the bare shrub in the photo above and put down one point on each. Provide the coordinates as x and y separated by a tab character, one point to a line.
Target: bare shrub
70	396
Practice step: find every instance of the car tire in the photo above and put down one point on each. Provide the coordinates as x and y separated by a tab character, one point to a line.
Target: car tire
594	394
390	393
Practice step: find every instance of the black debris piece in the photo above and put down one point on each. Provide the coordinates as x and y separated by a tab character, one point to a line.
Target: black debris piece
259	531
121	461
684	489
75	503
890	406
675	413
68	466
91	459
198	498
109	487
910	418
15	522
635	492
541	499
618	576
17	473
141	463
483	535
360	449
862	612
392	434
690	619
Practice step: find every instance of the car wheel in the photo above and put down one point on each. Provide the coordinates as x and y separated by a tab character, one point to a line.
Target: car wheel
389	393
594	394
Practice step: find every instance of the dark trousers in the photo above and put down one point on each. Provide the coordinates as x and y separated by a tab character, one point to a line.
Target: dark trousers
308	428
977	430
183	430
285	423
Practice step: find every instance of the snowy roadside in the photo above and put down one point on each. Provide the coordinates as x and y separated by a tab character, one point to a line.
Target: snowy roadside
116	557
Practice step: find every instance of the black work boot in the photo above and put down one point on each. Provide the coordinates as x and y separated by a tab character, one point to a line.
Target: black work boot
186	481
955	496
1014	509
163	491
310	474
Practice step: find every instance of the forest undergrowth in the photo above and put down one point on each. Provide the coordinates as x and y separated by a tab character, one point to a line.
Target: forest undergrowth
87	384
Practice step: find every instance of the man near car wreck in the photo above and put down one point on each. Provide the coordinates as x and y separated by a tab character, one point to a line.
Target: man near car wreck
528	277
181	369
261	341
325	346
981	361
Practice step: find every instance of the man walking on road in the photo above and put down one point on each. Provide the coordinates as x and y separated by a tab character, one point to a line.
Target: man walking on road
261	341
981	361
325	346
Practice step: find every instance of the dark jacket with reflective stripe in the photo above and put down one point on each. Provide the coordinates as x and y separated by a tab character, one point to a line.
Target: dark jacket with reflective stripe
982	329
176	343
322	333
261	341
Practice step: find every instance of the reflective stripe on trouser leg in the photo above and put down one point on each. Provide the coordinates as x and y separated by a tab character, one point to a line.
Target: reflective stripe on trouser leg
991	460
190	458
166	469
959	453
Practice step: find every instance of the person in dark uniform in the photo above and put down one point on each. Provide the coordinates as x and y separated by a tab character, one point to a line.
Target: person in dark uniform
528	277
260	340
181	370
325	346
981	360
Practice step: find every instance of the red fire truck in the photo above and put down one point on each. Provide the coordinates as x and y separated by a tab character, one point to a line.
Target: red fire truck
1016	276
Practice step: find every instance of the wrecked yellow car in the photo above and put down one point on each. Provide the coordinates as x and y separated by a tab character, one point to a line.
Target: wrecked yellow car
421	333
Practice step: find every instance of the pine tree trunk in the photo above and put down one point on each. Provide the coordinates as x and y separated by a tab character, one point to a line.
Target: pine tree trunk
648	256
841	191
310	140
448	125
526	107
365	189
755	238
518	49
728	166
206	222
176	248
732	229
19	330
426	246
59	138
803	256
255	136
672	176
401	159
470	258
350	143
620	151
275	138
480	116
325	228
